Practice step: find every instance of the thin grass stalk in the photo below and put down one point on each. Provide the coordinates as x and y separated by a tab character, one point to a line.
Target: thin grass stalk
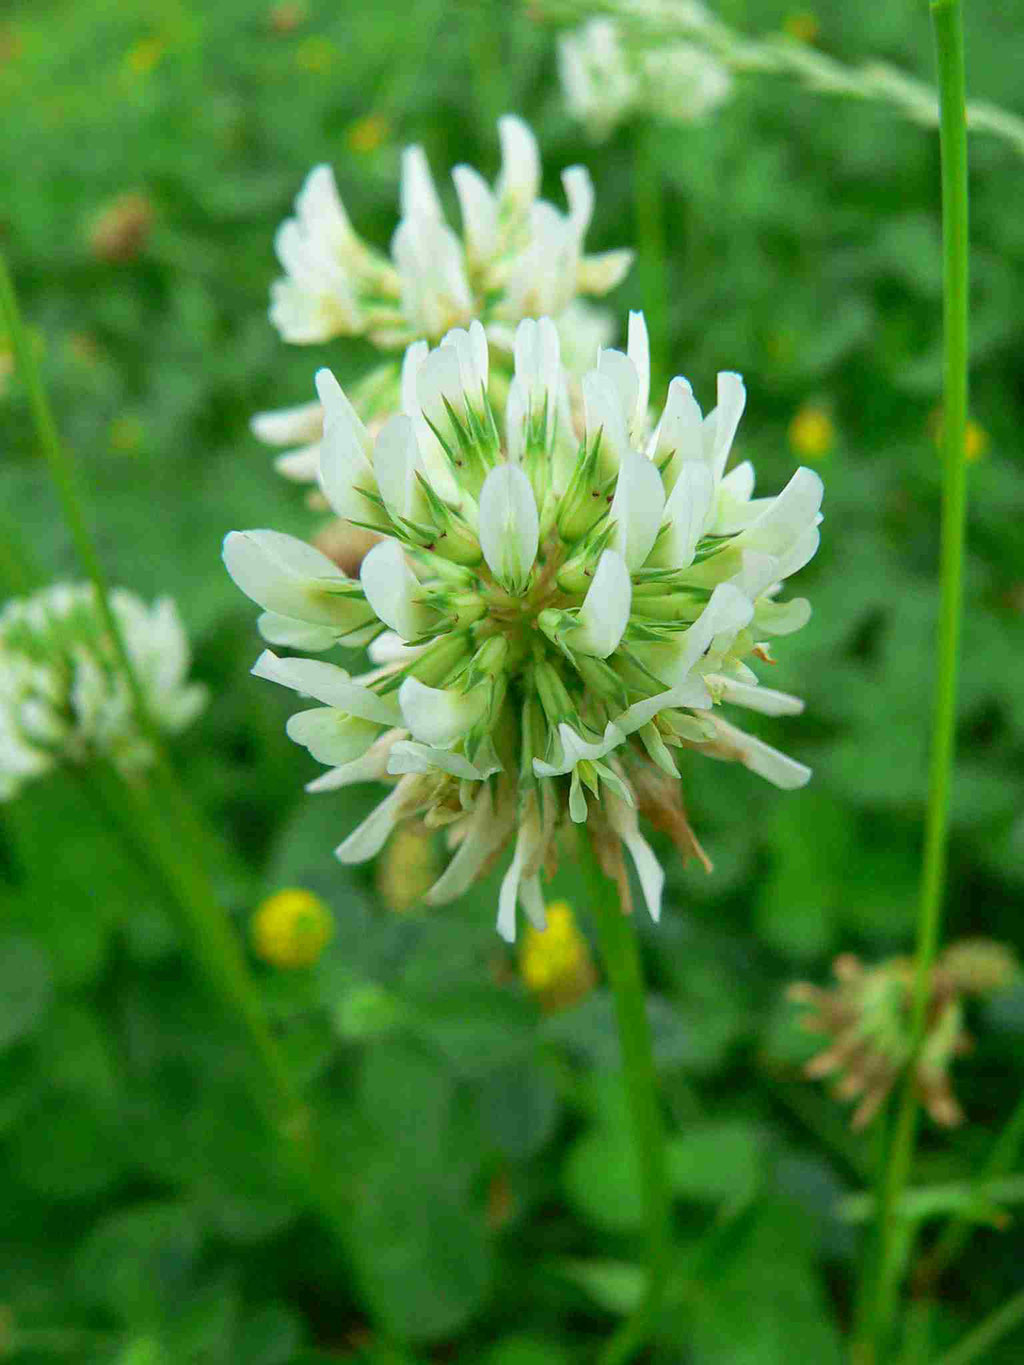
976	1344
176	844
1001	1161
947	24
617	939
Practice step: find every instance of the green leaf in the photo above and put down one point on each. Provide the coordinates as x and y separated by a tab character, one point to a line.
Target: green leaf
616	1286
138	1263
26	988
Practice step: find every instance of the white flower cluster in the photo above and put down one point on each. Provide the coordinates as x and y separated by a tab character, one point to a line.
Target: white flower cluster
63	694
606	81
552	621
518	256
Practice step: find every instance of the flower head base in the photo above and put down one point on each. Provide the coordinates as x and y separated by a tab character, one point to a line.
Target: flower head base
517	256
63	694
552	619
868	1016
291	929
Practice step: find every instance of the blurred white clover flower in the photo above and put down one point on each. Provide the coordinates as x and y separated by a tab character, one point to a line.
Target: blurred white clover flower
518	256
552	620
606	80
63	694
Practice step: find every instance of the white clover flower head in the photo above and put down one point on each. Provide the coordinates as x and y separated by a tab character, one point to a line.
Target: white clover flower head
63	694
517	255
606	80
551	620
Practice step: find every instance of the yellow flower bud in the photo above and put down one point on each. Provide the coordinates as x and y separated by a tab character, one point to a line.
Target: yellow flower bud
408	868
555	962
367	134
811	432
291	929
803	26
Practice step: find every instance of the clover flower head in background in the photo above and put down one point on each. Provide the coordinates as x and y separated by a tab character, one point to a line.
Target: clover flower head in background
291	929
868	1017
517	256
63	694
607	80
552	620
555	962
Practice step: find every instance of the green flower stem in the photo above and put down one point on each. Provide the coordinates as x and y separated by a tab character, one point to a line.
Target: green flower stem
975	1345
205	927
621	956
1001	1161
175	846
649	221
947	26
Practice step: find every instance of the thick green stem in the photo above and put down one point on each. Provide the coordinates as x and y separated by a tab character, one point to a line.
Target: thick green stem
621	956
976	1344
948	30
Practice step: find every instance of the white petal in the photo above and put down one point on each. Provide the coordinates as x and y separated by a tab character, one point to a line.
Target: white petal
301	465
520	163
623	821
439	716
690	693
479	214
604	415
330	736
285	575
344	453
720	425
787	518
604	614
329	684
762	699
621	374
686	516
486	829
638	348
417	195
396	464
728	611
781	618
367	839
579	191
575	749
411	363
391	589
509	526
597	274
409	757
679	433
370	767
283	630
761	758
288	426
471	348
390	648
636	509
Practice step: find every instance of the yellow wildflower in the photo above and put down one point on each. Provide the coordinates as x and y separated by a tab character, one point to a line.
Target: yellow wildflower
408	868
144	56
368	133
555	963
811	432
315	55
126	435
976	438
291	928
803	26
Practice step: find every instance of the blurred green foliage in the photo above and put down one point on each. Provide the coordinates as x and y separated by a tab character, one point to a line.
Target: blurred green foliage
478	1148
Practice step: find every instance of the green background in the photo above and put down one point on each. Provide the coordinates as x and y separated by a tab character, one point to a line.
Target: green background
478	1148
